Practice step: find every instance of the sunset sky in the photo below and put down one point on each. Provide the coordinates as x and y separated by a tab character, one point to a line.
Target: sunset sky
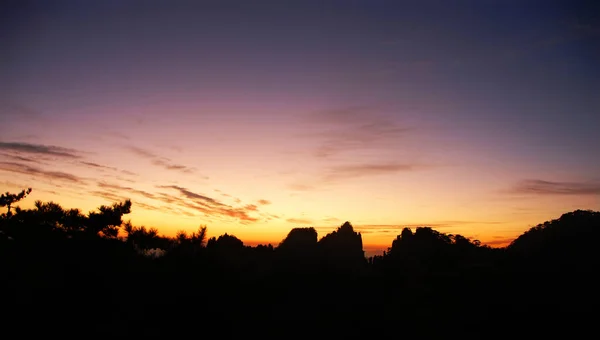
254	117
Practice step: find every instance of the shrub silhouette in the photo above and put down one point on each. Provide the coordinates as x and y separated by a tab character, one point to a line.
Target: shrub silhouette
7	199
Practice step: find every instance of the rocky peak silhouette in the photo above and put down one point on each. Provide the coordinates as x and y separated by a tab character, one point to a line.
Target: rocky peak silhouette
343	248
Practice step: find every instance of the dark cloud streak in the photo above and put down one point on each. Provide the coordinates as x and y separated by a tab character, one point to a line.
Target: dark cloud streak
20	158
160	161
354	128
111	196
127	189
542	187
360	170
207	205
34	171
191	195
334	174
48	150
99	166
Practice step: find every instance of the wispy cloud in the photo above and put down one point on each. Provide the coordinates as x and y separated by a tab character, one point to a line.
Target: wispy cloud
156	208
39	149
353	128
360	170
8	108
116	134
109	195
35	171
118	178
163	162
542	187
20	158
346	133
264	202
142	152
299	221
208	206
130	173
336	173
109	171
119	188
99	166
14	185
115	192
192	195
170	166
251	207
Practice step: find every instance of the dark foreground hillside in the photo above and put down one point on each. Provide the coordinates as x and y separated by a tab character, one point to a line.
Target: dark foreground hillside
65	273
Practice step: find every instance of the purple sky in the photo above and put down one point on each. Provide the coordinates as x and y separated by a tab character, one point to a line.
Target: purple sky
480	117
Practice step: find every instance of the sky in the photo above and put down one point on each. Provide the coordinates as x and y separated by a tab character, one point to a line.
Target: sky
255	117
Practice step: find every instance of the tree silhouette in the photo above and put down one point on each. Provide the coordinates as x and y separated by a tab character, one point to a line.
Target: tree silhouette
50	214
198	238
107	220
7	199
189	245
73	221
142	237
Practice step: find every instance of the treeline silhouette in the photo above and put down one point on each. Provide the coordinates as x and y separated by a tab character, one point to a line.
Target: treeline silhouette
95	272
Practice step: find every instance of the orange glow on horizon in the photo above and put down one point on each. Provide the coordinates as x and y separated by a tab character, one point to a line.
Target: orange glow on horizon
376	238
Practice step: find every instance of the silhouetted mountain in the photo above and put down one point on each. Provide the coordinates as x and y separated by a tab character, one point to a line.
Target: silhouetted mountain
573	234
146	284
560	250
298	251
299	239
342	250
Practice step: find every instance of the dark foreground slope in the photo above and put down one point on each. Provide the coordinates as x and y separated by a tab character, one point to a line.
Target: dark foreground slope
428	283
